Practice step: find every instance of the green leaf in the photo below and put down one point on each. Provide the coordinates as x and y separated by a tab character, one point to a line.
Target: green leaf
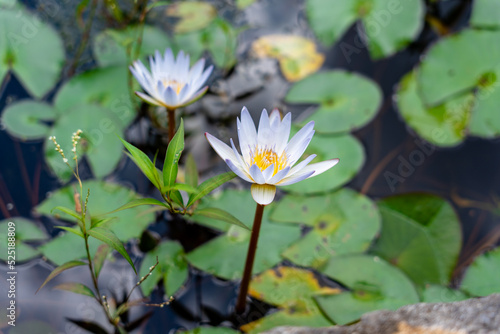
191	16
225	255
421	235
31	49
33	327
174	151
441	294
291	289
176	196
172	268
110	238
344	222
222	215
388	25
99	258
485	14
481	278
347	101
69	212
25	230
191	171
185	187
104	197
28	119
345	147
138	202
74	230
206	187
76	288
374	285
67	247
144	163
60	269
241	4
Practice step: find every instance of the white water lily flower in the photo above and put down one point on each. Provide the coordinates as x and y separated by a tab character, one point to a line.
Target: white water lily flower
268	158
171	83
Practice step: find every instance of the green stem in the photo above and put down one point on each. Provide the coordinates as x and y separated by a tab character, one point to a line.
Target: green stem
252	248
171	124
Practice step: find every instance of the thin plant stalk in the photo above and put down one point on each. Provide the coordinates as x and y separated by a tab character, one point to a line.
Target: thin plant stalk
171	123
252	248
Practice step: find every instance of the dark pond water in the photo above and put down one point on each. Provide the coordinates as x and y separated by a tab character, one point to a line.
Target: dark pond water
467	171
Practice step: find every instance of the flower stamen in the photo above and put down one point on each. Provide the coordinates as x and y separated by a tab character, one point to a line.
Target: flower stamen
264	157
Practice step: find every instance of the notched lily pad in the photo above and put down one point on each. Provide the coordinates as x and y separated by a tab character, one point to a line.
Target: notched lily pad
225	255
347	101
172	268
342	223
28	119
104	197
192	15
23	230
421	235
374	285
292	291
481	278
297	55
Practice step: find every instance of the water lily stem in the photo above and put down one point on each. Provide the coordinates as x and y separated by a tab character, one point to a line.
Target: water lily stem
252	248
171	123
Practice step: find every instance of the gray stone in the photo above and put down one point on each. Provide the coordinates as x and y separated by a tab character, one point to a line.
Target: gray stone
472	316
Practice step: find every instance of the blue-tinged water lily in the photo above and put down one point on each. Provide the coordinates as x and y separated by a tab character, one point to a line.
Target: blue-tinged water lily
171	82
268	158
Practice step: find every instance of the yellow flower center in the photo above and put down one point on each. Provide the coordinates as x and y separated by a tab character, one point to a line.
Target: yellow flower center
176	85
265	157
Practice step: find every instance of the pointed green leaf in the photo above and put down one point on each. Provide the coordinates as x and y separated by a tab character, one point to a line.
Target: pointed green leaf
110	238
191	171
70	212
206	187
73	230
176	196
76	288
99	258
174	151
99	222
185	187
139	202
60	269
220	214
28	119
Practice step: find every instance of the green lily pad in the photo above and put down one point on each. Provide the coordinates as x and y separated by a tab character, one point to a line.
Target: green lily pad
172	268
25	231
27	119
7	3
67	247
110	46
421	235
442	125
33	327
225	255
242	4
99	143
345	147
31	49
104	197
210	330
485	14
192	16
388	25
443	75
347	101
481	278
441	294
374	285
342	223
292	291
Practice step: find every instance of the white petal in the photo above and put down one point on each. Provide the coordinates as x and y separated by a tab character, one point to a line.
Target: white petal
299	143
263	193
275	120
148	99
256	174
265	136
283	133
238	170
224	151
247	135
302	164
168	60
238	156
140	78
170	97
319	167
195	97
196	70
268	173
279	175
294	178
184	94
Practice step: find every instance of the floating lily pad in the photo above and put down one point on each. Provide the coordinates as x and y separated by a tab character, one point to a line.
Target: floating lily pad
33	327
297	55
443	75
241	4
485	14
292	291
192	16
374	285
31	49
442	294
28	119
104	197
481	278
67	247
25	231
172	268
347	101
421	235
342	223
210	330
388	25
110	46
442	125
345	147
225	255
107	87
